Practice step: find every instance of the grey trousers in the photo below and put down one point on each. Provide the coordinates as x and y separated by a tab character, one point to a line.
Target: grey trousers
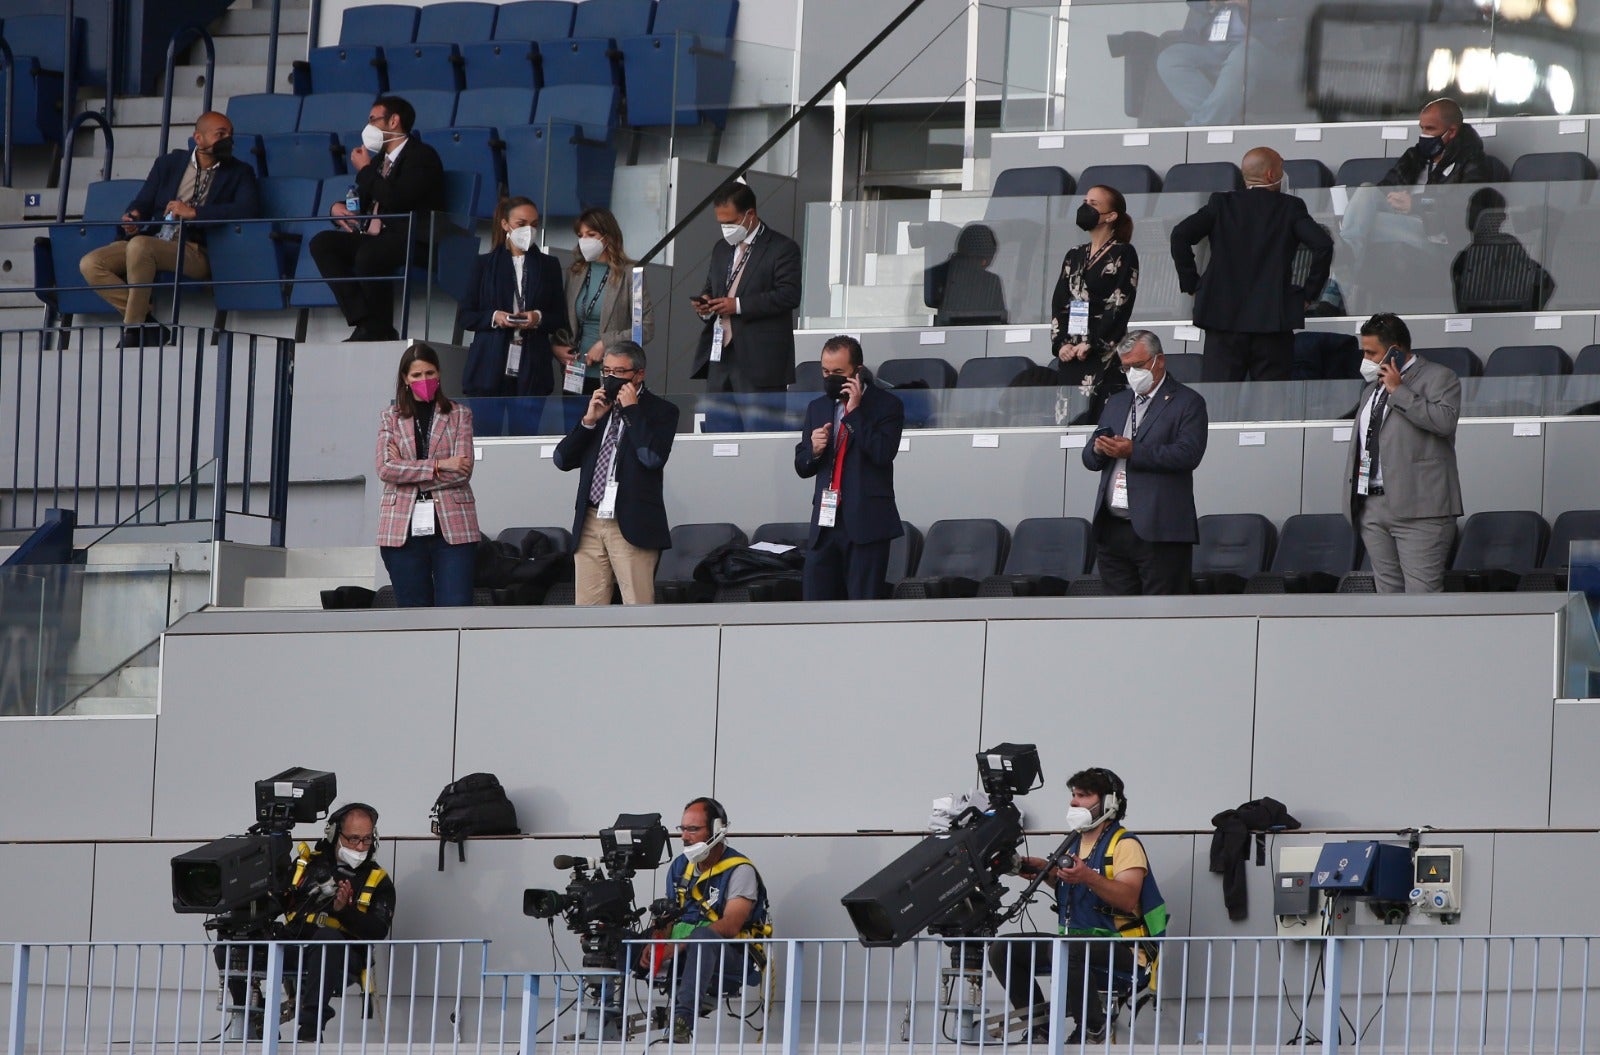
1408	553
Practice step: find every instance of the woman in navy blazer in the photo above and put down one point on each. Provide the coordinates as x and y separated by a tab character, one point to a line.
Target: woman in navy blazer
494	311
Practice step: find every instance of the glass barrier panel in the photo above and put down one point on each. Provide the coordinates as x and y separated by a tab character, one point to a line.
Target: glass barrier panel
1581	658
27	624
1034	38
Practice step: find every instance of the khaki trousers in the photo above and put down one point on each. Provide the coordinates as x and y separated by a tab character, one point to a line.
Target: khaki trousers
604	557
138	259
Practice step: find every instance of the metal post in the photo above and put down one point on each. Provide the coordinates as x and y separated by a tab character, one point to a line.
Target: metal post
1058	93
273	982
1058	995
19	1000
113	38
791	997
219	475
1334	963
272	46
969	118
530	1008
282	413
11	94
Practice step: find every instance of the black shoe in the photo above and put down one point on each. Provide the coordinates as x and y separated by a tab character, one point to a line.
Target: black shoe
147	335
1097	1034
382	333
255	1026
358	334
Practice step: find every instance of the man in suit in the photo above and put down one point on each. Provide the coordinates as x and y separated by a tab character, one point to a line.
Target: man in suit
621	444
1151	438
1245	301
849	442
206	184
752	291
1403	493
395	173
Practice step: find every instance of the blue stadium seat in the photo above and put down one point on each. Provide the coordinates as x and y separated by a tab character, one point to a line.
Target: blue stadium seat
1464	361
478	151
1314	551
1356	171
682	72
957	555
457	21
1307	174
341	113
342	68
926	372
261	254
1046	554
590	56
436	110
39	56
1495	550
1034	181
379	24
1203	177
307	292
1527	360
423	67
592	107
494	107
501	64
1553	167
105	200
1129	179
254	116
994	372
560	168
1232	548
536	20
311	155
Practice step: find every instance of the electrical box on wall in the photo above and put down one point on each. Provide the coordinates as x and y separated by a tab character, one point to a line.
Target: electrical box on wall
1295	903
1437	889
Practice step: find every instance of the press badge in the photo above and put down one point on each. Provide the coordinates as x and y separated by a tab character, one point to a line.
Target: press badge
1364	474
828	512
1119	490
422	524
513	359
716	340
573	382
607	510
1078	319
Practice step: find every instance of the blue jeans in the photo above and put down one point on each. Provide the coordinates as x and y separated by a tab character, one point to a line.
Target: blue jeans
430	571
1206	79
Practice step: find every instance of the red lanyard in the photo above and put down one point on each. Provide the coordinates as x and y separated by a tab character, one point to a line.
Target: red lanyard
838	458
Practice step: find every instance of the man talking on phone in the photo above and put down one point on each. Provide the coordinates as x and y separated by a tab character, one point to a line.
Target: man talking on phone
1403	493
621	444
1103	889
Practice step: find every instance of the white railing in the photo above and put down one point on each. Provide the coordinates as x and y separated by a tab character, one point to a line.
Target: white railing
1431	993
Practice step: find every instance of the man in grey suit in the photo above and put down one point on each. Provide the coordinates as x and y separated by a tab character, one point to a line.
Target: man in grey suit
1151	438
1402	492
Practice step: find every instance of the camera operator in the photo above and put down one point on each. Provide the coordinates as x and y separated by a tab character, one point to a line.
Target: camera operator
714	892
1103	889
339	894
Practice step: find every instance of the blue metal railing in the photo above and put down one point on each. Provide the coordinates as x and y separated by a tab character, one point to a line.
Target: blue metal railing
179	39
88	117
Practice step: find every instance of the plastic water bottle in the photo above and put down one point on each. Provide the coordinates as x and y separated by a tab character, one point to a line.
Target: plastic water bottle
352	199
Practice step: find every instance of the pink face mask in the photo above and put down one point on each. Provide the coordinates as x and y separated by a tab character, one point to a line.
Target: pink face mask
425	389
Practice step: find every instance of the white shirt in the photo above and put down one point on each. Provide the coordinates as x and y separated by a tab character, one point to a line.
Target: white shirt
1364	419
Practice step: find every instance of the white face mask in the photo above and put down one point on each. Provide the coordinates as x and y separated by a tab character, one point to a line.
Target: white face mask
1141	380
734	233
521	237
372	138
352	858
1079	819
591	248
1369	370
697	852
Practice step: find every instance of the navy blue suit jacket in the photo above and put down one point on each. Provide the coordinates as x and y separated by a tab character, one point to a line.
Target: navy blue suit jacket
867	510
233	194
642	453
1168	449
492	290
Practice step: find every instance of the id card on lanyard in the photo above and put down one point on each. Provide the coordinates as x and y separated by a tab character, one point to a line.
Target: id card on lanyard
422	521
574	374
1078	319
828	507
607	509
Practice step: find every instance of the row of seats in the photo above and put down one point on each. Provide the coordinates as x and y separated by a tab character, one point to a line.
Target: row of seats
563	132
672	56
38	45
1205	177
1054	556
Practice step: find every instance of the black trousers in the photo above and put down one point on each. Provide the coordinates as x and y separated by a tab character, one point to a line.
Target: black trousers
345	254
841	570
322	967
1132	567
1090	965
1247	356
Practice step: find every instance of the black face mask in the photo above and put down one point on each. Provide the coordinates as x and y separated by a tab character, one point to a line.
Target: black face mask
1088	217
1430	146
833	385
613	385
222	149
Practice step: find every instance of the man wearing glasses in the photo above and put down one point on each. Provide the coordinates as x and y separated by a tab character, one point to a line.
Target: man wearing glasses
621	445
1149	442
342	899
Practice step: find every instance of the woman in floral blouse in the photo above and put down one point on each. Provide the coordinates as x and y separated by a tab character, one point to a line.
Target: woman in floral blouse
1094	298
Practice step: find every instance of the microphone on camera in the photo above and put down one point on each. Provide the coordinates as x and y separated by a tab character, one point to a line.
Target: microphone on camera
566	861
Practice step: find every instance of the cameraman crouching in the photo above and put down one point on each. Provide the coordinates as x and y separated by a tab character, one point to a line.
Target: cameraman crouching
339	894
716	894
1104	890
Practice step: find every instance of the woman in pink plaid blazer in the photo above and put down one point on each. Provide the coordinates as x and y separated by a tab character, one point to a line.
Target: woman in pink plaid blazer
428	523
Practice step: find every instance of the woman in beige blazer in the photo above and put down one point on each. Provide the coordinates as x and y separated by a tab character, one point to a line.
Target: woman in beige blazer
599	298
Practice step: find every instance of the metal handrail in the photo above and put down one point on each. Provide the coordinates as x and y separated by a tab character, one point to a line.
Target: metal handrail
87	117
11	106
272	46
180	38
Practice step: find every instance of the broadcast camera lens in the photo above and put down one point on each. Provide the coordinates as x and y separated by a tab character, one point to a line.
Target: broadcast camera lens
543	904
197	886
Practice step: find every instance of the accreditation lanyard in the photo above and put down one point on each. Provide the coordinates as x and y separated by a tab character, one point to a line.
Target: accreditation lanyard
828	511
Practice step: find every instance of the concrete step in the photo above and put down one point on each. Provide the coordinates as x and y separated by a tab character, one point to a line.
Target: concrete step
108	705
305	592
189	82
257	21
137	681
356	562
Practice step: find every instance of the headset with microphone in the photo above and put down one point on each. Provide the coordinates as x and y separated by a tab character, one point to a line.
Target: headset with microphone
716	821
330	831
1111	801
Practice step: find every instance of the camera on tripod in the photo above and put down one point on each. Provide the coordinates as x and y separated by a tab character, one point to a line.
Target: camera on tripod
243	881
950	883
598	903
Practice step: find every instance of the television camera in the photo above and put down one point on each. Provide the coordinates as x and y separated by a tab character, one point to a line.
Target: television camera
243	882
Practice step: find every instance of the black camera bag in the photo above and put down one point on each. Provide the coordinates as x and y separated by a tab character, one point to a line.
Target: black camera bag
474	805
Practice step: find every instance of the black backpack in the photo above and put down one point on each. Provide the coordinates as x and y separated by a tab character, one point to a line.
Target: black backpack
474	805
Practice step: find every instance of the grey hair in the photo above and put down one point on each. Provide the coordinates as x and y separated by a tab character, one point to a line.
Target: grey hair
1138	337
634	353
